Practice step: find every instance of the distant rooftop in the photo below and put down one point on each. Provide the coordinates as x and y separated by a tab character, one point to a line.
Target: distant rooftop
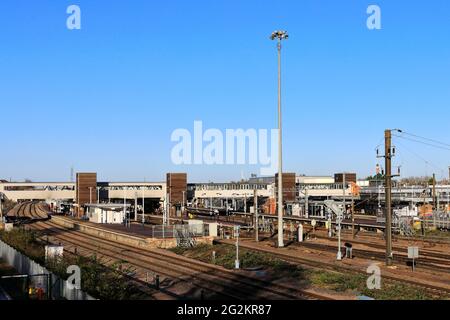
261	180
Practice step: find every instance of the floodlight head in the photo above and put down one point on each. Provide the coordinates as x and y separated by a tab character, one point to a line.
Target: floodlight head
281	35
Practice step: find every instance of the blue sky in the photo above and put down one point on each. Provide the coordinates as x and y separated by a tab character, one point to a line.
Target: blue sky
106	98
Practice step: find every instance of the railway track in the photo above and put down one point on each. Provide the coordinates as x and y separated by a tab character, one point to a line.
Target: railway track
25	212
423	252
320	265
223	283
39	213
201	275
429	259
111	252
379	236
237	218
423	262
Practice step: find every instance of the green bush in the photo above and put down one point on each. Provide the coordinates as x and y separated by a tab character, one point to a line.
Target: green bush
100	281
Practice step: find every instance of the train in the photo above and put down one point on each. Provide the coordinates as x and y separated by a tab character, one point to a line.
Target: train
214	211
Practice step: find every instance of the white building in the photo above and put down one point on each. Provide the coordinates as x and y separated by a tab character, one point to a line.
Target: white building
306	180
107	213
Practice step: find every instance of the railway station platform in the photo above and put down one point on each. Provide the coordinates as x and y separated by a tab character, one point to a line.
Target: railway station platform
149	236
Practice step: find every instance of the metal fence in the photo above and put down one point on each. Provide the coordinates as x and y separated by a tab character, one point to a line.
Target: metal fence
24	287
172	231
54	286
438	220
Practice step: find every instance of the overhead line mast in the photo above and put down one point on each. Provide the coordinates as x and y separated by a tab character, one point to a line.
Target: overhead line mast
389	152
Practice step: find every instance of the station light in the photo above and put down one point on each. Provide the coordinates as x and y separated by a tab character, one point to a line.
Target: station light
279	36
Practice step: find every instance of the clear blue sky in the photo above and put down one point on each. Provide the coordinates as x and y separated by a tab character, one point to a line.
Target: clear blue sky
107	97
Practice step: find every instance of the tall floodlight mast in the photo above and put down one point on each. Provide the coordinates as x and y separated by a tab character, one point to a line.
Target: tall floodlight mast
279	36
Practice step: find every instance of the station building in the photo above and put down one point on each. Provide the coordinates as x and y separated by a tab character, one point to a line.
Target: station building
303	195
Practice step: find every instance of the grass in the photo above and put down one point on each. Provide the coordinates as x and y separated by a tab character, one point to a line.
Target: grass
357	283
350	284
437	233
106	283
226	256
24	241
335	281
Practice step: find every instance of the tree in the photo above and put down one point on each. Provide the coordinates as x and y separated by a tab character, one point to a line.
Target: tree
376	177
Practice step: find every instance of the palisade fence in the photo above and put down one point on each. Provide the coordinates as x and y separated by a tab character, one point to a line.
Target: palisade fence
171	231
438	220
24	265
